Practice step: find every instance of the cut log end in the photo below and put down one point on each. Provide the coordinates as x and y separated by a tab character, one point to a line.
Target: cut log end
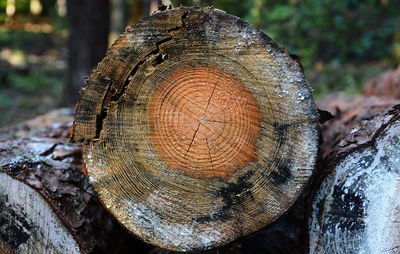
198	129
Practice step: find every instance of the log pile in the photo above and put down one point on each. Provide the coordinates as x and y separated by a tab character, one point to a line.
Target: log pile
199	133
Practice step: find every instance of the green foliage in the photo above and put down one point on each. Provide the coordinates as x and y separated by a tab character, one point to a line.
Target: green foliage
3	5
6	101
341	77
346	31
331	31
25	41
30	82
22	6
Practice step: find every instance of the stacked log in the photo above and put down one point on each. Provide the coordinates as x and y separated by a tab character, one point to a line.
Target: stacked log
357	207
385	85
47	204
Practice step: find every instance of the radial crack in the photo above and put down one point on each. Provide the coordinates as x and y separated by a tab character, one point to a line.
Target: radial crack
194	135
212	93
209	154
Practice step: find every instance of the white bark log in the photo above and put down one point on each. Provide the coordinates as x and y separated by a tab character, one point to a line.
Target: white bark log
28	223
357	208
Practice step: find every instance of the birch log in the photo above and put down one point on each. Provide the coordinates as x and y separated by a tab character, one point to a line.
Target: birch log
357	207
197	129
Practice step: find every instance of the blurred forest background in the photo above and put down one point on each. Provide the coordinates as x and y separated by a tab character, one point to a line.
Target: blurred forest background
47	47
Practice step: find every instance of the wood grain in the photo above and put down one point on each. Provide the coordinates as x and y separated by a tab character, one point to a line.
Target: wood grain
204	122
197	129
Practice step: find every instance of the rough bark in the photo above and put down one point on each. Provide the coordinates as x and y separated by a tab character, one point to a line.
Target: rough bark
349	111
47	204
197	129
88	42
357	207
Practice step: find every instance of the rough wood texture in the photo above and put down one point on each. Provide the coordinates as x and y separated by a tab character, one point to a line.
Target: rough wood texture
357	207
197	129
46	204
349	111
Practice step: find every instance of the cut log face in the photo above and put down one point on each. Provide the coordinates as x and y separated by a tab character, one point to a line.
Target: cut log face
357	208
197	129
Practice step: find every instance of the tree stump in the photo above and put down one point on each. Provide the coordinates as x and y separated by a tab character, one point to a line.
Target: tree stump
197	129
357	207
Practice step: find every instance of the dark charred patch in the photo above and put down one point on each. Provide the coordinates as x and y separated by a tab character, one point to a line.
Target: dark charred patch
281	131
232	194
347	210
283	174
124	53
13	226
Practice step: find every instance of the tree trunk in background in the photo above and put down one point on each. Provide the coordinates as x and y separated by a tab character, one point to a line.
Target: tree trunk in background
88	42
35	7
118	19
149	6
10	9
